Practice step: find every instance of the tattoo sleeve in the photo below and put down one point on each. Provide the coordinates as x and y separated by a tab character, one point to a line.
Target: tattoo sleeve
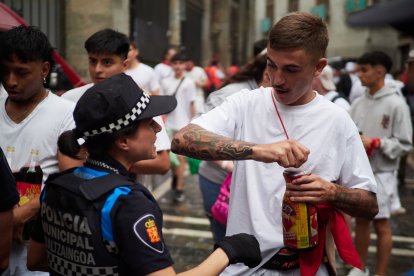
196	142
356	202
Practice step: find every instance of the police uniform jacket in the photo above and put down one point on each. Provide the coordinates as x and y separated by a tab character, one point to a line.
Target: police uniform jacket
94	221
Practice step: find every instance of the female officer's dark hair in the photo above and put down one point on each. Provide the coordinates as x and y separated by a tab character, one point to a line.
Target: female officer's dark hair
27	43
108	41
109	110
252	70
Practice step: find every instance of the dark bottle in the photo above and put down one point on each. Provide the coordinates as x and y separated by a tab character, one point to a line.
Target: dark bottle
29	179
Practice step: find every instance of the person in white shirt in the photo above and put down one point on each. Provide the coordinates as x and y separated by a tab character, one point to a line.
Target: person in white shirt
325	86
199	76
163	69
142	74
384	120
287	125
107	52
31	120
184	89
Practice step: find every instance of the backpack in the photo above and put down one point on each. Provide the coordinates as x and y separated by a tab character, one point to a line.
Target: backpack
339	96
220	208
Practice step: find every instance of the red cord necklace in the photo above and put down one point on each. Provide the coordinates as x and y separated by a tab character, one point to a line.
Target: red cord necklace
278	114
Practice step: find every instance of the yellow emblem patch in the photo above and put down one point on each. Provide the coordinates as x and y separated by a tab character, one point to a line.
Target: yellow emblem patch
152	231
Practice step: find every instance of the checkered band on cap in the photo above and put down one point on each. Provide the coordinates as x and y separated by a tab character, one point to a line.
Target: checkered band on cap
130	117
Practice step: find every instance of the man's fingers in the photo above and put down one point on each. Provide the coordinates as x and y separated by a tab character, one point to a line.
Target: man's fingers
284	161
300	152
291	158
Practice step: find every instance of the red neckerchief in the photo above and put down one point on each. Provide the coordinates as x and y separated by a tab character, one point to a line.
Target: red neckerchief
312	259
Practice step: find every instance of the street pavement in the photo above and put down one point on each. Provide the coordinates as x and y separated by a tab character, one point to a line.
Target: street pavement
189	239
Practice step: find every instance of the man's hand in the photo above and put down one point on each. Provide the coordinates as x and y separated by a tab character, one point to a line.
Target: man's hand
18	225
314	189
23	214
289	153
366	141
311	188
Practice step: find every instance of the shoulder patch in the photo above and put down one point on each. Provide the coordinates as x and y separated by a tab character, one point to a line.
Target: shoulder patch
146	230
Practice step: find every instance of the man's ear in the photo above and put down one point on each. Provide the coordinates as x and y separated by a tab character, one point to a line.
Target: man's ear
125	64
45	69
380	71
319	66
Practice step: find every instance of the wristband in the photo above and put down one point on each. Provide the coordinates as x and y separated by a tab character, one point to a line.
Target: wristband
375	144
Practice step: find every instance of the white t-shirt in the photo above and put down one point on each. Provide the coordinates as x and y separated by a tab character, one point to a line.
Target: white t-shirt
145	77
75	94
186	95
163	71
197	74
3	93
333	95
336	153
162	142
39	131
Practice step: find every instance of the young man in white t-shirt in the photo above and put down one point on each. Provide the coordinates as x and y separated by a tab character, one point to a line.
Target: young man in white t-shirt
287	125
107	52
164	69
199	76
31	120
184	89
143	75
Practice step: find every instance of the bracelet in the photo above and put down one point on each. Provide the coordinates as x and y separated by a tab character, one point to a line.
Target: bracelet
375	144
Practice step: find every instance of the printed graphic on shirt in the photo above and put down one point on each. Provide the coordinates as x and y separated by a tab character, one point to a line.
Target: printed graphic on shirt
147	231
385	121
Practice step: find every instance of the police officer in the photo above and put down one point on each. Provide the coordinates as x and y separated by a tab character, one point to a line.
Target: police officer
94	220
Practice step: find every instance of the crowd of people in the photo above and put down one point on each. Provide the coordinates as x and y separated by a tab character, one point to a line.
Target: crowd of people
76	170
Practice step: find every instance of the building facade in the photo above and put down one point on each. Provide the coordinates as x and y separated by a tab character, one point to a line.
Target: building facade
223	29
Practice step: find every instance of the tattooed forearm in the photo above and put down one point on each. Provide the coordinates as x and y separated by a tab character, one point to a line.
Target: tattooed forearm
199	143
356	202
